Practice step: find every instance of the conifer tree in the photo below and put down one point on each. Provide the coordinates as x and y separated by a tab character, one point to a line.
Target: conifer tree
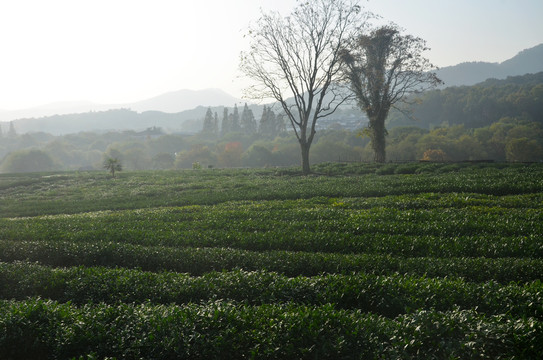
226	126
263	127
270	124
12	132
236	127
280	124
248	122
208	123
216	124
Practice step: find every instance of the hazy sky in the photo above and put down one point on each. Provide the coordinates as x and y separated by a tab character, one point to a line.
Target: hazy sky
115	51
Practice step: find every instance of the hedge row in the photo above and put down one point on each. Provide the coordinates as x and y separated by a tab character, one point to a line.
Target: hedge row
197	261
41	329
83	192
335	216
385	295
261	226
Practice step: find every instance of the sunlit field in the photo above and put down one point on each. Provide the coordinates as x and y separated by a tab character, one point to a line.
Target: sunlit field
415	260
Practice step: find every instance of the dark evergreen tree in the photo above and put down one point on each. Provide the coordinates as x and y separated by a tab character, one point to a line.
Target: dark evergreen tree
226	125
236	126
263	127
209	121
12	132
270	124
248	122
216	124
280	124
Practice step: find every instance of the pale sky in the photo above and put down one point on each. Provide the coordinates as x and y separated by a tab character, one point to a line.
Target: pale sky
119	51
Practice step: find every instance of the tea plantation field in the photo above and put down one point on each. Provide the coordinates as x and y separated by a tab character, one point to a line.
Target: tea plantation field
395	261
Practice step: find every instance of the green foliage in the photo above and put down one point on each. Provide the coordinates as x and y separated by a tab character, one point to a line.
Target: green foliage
35	194
112	165
32	160
407	260
197	154
478	106
497	120
198	261
385	295
524	149
43	329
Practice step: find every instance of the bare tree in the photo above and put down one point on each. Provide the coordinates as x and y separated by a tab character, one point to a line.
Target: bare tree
298	57
383	68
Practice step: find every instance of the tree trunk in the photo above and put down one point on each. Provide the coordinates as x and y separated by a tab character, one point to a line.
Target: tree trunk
378	142
305	158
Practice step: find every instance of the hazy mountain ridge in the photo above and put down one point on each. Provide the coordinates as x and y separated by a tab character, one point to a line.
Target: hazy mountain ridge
182	100
171	102
528	61
183	110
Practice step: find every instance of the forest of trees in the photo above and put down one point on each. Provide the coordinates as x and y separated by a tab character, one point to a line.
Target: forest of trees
500	120
478	106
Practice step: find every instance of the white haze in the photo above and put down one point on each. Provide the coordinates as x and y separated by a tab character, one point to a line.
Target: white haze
122	51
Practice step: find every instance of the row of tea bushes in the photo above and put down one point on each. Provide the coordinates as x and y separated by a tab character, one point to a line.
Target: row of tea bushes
269	264
265	216
262	226
69	193
197	261
39	329
385	295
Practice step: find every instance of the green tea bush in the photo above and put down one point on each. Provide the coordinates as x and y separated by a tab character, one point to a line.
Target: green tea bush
317	225
406	168
430	261
387	169
198	261
386	295
31	195
41	329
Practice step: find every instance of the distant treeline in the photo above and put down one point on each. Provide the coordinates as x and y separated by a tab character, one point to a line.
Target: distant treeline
476	106
500	120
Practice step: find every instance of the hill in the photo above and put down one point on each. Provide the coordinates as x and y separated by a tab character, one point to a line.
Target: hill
183	110
181	100
171	102
476	106
528	61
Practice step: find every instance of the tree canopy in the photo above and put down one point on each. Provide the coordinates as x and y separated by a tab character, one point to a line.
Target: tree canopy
383	68
112	165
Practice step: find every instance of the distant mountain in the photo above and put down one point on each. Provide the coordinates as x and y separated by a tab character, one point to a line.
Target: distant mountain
182	100
114	120
172	102
188	121
184	110
67	107
529	61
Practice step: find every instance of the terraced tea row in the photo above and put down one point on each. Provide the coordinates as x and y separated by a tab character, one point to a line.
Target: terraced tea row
303	225
385	295
222	329
34	194
269	264
198	261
